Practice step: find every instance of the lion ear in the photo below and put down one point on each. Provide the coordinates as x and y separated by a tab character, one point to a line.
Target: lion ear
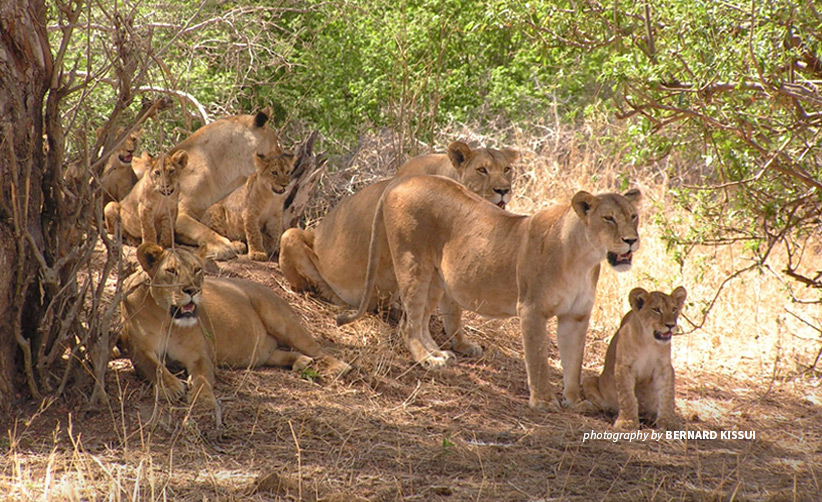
180	158
511	155
583	203
638	297
262	117
633	195
679	295
149	254
459	153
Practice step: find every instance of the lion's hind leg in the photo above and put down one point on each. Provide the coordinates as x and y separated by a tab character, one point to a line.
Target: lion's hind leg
299	264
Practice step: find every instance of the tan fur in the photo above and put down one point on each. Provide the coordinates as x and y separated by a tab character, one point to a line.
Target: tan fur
220	160
118	176
499	264
638	377
332	258
148	212
253	212
172	312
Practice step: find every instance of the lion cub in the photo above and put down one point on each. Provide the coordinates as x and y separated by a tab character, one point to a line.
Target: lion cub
148	212
118	177
638	377
253	212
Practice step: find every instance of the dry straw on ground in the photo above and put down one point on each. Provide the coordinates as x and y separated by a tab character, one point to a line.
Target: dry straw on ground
392	431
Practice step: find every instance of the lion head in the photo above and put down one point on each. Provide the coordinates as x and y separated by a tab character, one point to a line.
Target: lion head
164	171
612	221
176	281
274	170
658	311
485	171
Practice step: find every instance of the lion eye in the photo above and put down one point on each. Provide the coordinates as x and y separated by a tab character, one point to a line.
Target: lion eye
157	173
171	271
609	219
633	217
656	311
507	169
482	170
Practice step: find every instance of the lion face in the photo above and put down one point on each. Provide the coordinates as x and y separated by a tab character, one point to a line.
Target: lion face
658	311
485	171
126	151
274	170
176	281
612	222
164	172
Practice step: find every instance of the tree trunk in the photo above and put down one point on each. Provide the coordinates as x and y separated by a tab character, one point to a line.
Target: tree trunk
25	76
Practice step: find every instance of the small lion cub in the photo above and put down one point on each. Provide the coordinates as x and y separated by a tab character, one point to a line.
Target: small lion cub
149	211
638	377
253	212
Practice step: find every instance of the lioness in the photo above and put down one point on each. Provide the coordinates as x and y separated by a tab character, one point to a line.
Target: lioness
638	377
148	212
331	259
253	212
220	160
118	177
443	236
171	311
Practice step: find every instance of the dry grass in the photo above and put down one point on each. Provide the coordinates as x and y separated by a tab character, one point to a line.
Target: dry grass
392	431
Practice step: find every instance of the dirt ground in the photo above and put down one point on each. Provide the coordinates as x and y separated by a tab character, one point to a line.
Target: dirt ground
393	431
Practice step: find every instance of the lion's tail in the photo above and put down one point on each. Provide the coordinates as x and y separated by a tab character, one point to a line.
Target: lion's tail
374	250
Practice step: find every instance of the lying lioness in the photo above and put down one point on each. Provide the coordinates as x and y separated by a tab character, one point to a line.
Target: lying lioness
171	311
501	264
638	377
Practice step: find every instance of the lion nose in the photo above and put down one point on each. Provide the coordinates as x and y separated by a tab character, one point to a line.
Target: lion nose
502	191
670	325
629	242
190	291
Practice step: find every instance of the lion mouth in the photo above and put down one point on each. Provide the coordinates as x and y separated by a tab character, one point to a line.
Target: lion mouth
125	158
620	260
278	190
663	336
165	192
187	311
501	204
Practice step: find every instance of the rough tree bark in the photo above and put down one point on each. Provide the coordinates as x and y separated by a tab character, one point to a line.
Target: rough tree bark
25	73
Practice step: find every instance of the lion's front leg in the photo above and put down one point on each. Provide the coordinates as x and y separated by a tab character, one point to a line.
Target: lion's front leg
191	231
628	417
254	236
666	415
201	371
571	333
152	369
112	217
148	232
535	342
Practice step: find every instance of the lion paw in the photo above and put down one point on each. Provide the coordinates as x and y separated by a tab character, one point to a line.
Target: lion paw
436	360
239	247
626	424
219	251
258	256
172	387
467	348
584	406
302	363
668	423
549	405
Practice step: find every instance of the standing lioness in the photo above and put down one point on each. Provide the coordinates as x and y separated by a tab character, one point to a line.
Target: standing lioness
638	377
499	264
331	259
